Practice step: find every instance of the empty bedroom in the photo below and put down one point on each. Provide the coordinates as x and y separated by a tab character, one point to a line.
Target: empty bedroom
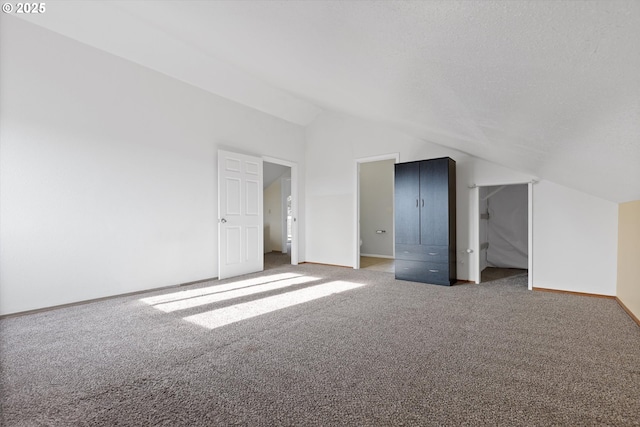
328	213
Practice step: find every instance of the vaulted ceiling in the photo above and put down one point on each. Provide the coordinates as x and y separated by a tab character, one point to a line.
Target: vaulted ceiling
547	87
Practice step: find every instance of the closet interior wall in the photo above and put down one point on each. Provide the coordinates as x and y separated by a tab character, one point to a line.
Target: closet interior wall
504	226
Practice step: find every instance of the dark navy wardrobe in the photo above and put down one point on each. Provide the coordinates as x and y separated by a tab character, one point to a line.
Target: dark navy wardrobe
425	221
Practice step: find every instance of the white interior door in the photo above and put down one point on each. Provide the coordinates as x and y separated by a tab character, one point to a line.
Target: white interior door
240	248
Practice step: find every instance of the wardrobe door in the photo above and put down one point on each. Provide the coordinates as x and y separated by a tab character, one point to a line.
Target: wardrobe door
407	211
434	202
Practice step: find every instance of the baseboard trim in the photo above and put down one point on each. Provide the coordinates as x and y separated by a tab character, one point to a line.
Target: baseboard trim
626	309
89	301
582	294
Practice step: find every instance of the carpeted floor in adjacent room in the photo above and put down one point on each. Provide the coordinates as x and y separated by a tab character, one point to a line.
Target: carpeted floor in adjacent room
382	354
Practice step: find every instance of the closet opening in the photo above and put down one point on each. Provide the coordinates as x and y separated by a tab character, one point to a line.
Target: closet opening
503	231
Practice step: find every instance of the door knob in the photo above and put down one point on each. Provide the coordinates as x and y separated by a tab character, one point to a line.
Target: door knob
223	220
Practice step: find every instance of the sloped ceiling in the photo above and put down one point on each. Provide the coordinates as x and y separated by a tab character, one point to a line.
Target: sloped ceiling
547	87
271	172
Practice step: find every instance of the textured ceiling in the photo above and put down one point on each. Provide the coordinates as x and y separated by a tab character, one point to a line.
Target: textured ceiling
547	87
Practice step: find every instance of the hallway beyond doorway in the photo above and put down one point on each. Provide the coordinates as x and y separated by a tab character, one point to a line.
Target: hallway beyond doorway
378	264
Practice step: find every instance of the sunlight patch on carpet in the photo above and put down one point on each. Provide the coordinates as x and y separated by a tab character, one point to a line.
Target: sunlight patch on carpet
237	293
227	315
194	293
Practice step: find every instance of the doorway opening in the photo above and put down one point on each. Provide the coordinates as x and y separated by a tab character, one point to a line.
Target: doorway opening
375	249
503	231
280	222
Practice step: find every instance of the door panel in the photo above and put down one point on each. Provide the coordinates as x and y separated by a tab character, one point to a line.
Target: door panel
233	249
233	196
239	214
254	238
434	200
253	188
407	211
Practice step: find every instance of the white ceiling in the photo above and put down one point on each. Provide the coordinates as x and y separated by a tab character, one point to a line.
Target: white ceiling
547	87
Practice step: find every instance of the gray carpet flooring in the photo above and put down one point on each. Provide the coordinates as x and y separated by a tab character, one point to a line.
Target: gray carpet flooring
389	353
276	259
490	274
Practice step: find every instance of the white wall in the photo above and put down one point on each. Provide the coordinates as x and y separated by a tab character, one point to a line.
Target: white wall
334	141
376	208
575	240
108	180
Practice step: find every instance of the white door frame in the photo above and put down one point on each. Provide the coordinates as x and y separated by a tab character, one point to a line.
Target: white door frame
390	156
285	182
475	240
294	203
